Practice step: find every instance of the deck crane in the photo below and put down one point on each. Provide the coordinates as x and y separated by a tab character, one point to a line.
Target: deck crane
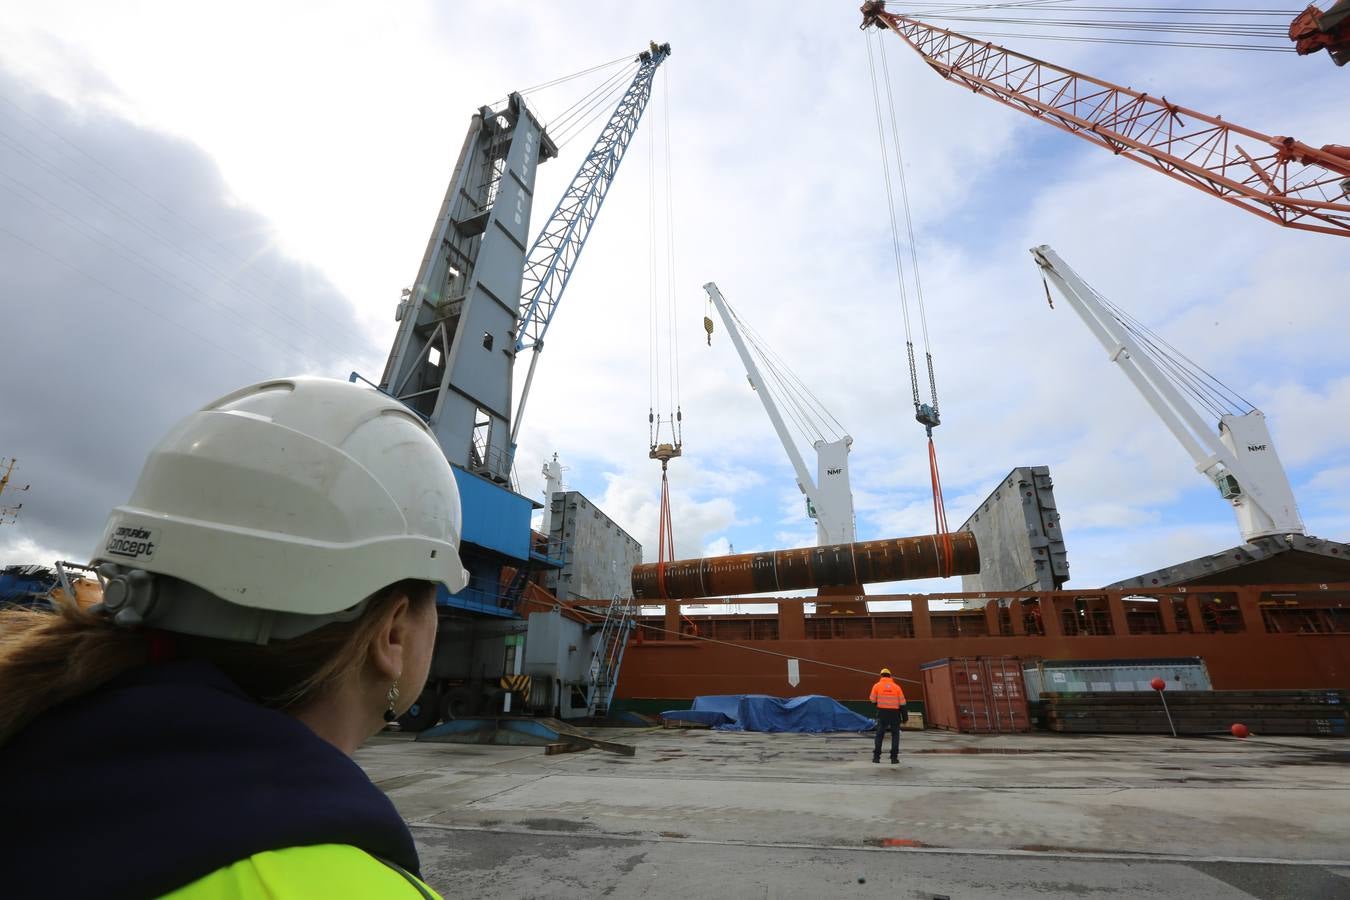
1240	459
480	299
1277	178
829	500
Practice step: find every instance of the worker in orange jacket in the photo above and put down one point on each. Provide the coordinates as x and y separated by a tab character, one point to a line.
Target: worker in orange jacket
890	701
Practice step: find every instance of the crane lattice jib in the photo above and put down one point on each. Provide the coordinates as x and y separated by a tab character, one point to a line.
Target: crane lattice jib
1277	178
556	249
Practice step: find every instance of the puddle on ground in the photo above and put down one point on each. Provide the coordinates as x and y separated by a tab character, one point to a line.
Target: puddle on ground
895	842
1005	751
1329	758
556	825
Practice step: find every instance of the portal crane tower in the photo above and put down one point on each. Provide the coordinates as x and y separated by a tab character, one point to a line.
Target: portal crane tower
830	499
467	317
480	298
1277	178
1240	459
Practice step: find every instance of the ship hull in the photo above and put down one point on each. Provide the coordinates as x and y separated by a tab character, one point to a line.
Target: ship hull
682	670
1263	637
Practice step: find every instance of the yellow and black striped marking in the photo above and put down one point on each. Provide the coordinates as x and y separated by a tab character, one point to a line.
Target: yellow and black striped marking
516	684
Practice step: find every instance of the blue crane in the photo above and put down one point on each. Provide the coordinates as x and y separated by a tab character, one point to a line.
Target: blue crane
461	328
481	298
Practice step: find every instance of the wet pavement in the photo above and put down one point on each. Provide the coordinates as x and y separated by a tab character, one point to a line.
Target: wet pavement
717	814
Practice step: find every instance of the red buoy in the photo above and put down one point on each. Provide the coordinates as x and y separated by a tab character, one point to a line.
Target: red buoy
1158	684
1239	730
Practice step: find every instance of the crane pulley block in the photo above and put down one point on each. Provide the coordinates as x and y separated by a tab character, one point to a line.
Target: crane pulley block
1314	30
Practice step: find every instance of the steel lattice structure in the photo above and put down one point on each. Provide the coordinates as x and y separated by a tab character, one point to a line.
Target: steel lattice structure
555	251
1277	178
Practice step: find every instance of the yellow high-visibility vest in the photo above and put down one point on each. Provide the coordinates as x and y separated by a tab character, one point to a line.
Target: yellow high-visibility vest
320	872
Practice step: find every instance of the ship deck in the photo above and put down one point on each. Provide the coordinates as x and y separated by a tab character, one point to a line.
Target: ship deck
714	814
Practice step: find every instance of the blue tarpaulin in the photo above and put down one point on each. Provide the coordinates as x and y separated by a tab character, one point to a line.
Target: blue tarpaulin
813	714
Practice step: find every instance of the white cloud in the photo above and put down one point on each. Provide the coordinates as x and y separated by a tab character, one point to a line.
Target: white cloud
26	551
345	148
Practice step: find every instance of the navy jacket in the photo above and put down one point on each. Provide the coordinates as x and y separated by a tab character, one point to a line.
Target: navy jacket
167	774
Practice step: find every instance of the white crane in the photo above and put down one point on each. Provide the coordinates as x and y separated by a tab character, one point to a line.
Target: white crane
1240	459
553	483
829	499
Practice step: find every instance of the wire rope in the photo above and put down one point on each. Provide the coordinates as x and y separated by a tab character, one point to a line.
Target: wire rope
813	419
1127	41
670	234
601	105
909	225
895	227
566	78
765	348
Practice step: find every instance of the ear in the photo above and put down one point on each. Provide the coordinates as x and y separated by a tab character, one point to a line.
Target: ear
389	646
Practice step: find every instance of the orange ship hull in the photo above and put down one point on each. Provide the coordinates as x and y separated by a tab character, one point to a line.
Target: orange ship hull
1251	638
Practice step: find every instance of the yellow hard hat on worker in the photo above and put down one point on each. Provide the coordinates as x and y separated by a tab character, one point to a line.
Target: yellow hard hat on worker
885	671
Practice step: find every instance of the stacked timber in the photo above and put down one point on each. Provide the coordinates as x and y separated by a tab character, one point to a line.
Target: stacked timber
1312	712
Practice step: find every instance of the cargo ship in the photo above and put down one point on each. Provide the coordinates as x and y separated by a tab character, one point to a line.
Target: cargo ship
1271	613
1251	637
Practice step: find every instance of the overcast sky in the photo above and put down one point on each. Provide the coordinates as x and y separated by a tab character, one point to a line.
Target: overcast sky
192	199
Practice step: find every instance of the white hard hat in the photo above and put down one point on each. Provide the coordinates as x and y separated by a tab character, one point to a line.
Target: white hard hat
292	500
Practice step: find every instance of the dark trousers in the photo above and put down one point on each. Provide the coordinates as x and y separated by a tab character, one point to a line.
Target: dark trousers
887	720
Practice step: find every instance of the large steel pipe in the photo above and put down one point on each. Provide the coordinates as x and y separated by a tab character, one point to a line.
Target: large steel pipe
866	562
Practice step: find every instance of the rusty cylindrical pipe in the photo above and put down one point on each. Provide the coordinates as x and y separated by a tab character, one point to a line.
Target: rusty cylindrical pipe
896	559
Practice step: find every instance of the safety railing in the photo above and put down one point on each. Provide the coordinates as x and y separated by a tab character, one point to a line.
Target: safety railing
1303	609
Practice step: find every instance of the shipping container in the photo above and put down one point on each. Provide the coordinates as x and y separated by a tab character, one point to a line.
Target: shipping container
976	694
1076	676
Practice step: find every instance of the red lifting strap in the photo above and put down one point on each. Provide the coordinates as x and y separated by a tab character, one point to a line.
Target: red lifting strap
940	512
666	535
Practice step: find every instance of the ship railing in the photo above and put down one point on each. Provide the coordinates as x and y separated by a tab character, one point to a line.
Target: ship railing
1305	609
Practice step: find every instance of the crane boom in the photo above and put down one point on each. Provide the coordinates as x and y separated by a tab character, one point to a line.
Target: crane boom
830	502
558	245
1277	178
1240	459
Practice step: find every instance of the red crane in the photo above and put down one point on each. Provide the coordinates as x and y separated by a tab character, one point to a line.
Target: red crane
1280	179
1314	30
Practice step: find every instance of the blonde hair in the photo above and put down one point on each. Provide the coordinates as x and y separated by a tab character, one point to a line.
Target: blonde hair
52	657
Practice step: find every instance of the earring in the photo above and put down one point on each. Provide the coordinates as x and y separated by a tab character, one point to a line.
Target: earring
389	714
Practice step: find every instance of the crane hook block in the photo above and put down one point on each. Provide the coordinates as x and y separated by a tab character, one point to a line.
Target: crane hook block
927	416
708	327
